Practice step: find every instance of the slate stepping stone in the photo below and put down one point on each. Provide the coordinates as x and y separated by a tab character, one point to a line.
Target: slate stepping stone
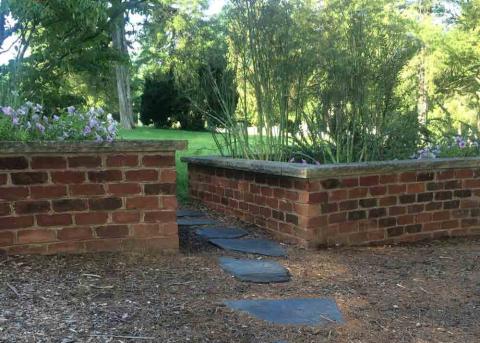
195	221
251	246
221	232
254	270
296	311
189	213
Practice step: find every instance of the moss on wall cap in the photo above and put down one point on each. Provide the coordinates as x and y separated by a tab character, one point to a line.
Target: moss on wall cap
332	170
92	146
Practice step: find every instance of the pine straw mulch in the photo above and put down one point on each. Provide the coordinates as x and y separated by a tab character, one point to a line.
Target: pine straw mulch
417	293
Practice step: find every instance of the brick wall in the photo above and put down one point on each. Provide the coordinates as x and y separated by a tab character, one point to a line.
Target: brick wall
350	205
84	198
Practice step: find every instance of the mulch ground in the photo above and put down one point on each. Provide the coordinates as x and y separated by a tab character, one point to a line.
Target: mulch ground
417	293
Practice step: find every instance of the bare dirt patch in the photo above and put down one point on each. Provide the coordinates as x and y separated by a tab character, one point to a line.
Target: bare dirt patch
419	293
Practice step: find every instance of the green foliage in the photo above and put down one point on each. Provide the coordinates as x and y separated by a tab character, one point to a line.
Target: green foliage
161	102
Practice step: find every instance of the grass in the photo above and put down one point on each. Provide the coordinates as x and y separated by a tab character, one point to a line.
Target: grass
199	143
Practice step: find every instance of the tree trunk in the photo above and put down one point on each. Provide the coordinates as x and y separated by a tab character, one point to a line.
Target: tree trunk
122	69
422	104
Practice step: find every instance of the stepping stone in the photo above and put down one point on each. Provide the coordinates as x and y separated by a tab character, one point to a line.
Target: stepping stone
221	232
301	311
189	213
254	270
195	221
251	246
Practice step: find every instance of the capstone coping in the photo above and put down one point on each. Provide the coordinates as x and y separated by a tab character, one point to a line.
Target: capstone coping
332	170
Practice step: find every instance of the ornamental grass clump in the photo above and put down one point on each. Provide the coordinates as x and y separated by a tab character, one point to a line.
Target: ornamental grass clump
30	123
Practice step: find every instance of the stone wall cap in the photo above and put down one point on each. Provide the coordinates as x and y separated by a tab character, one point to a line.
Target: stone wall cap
332	170
45	147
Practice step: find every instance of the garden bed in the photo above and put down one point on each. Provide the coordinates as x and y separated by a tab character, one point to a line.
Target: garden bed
344	204
58	197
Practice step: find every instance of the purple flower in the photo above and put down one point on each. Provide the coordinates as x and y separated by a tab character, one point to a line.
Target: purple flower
40	127
71	109
15	121
56	118
87	130
8	111
303	161
462	144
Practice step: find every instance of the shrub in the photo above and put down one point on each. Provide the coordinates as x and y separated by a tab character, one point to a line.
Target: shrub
161	102
29	123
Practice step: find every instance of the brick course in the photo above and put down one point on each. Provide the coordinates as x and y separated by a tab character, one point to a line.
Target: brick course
385	207
99	200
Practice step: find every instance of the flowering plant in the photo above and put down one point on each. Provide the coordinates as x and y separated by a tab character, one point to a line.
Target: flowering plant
457	146
29	123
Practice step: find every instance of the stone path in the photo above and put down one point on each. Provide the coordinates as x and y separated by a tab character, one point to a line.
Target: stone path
301	311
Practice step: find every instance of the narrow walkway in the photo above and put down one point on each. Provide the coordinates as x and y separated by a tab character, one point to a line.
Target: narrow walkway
292	311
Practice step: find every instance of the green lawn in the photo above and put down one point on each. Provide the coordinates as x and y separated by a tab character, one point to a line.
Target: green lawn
199	143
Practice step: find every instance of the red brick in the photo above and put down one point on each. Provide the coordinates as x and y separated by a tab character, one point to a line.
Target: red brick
317	197
27	207
48	192
160	217
146	230
7	238
126	217
65	248
49	162
337	195
397	189
3	179
356	193
104	245
122	161
445	175
75	234
158	160
8	223
29	178
463	173
36	236
13	163
404	220
371	180
112	231
147	202
450	224
350	182
415	188
471	183
84	162
389	178
379	190
442	215
13	193
388	201
141	175
54	219
408	177
67	205
105	176
5	209
68	177
169	229
168	175
105	204
166	188
168	202
91	218
337	218
86	189
124	188
397	210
